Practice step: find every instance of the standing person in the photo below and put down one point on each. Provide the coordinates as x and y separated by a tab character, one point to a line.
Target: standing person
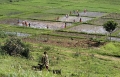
80	20
23	23
45	60
78	15
77	11
65	25
70	12
47	26
74	20
26	23
57	18
29	24
66	15
85	10
18	21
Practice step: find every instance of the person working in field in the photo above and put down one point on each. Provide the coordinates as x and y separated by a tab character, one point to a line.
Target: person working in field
45	60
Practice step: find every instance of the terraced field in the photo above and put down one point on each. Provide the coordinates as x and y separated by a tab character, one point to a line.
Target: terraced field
70	31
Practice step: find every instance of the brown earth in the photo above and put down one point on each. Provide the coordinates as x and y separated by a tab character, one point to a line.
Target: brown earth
64	42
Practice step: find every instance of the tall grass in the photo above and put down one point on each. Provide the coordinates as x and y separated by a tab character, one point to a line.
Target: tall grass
18	67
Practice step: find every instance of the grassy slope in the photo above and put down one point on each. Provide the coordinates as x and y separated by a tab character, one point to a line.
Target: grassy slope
74	62
48	8
77	61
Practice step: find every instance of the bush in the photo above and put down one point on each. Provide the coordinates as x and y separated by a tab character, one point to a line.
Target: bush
14	46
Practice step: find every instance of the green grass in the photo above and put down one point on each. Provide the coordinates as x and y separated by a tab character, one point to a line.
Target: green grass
65	59
57	7
113	49
74	62
18	67
70	60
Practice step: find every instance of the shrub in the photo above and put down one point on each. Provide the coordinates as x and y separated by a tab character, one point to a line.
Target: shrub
14	46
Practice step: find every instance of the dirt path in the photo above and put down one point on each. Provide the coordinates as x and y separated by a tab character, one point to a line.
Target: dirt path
104	57
107	57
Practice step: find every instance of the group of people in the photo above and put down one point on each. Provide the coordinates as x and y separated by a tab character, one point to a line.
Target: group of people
24	23
77	13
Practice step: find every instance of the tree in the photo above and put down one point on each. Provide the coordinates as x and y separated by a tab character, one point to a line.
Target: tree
110	26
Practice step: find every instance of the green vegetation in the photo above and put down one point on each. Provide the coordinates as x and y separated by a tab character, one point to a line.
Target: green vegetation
113	49
110	26
76	54
14	46
24	9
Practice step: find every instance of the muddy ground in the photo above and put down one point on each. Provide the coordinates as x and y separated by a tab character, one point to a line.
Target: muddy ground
74	19
89	29
36	24
46	24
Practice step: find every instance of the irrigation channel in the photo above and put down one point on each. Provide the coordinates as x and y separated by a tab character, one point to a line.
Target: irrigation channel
18	34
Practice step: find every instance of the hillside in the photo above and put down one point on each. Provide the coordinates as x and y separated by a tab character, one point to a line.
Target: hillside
77	48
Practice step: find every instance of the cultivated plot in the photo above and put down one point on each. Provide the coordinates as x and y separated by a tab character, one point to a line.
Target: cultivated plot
45	24
74	19
92	14
106	18
89	29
